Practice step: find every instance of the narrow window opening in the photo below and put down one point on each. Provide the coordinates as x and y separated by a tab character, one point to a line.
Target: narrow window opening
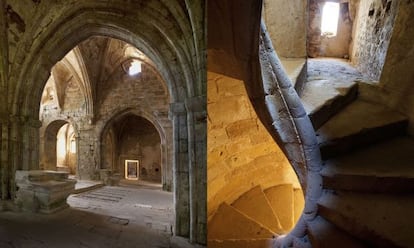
135	68
330	17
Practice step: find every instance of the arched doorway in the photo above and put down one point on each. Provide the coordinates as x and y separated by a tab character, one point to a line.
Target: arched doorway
134	144
58	147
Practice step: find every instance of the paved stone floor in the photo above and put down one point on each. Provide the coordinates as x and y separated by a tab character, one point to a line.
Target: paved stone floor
122	216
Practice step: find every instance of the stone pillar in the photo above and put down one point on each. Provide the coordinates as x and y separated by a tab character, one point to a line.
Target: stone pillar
4	168
180	169
14	152
87	148
197	138
30	143
4	60
167	152
22	138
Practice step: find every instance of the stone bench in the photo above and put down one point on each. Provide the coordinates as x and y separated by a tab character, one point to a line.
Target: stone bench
43	191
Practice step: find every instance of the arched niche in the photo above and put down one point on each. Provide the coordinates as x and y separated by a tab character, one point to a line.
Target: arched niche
111	137
58	146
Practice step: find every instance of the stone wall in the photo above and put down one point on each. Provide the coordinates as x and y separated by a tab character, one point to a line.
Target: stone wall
241	154
372	32
139	140
145	95
325	45
398	74
286	24
117	92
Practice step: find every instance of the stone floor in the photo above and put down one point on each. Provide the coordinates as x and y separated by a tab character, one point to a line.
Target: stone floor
132	215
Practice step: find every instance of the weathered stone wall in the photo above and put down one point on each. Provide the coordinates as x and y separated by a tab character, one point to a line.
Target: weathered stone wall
147	96
330	46
373	29
139	140
241	154
286	24
116	92
398	74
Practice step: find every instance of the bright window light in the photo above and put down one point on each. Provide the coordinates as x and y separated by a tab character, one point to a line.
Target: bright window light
73	146
330	16
134	68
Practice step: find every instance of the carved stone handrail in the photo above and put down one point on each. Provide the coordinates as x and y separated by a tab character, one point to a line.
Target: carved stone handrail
294	131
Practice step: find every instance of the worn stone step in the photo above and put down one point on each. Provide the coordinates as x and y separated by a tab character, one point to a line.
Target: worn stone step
281	200
296	69
298	204
241	243
322	99
84	186
383	168
324	234
375	218
230	223
359	124
255	205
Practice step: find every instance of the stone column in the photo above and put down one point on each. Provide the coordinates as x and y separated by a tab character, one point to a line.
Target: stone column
22	139
4	122
15	152
30	141
4	168
167	151
180	169
88	157
197	138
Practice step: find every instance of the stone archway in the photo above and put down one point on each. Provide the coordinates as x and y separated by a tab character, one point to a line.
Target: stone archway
111	142
163	129
49	147
176	45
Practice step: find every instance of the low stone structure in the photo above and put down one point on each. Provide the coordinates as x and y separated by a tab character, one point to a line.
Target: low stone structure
43	191
109	177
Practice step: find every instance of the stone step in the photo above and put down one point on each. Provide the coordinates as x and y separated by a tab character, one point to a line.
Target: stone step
230	223
359	124
296	70
324	234
84	186
281	200
323	99
383	168
376	218
298	204
241	243
255	205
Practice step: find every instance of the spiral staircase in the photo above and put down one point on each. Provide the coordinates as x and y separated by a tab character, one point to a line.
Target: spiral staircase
367	173
256	217
367	176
